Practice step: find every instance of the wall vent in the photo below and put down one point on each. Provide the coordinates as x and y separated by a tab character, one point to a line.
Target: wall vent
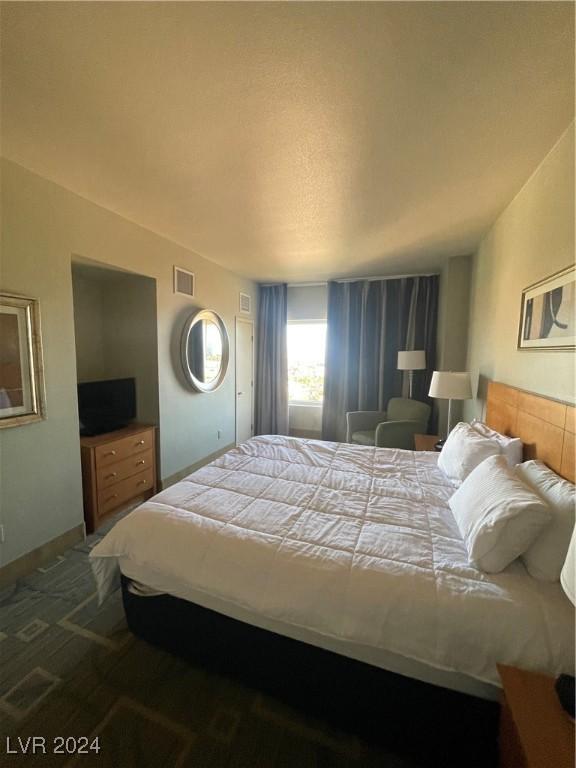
245	304
184	282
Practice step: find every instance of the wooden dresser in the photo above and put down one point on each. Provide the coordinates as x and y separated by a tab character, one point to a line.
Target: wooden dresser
117	468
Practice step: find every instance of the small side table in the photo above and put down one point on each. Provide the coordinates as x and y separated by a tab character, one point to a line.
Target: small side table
425	442
535	732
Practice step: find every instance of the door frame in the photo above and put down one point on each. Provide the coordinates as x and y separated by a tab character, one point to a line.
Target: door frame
250	322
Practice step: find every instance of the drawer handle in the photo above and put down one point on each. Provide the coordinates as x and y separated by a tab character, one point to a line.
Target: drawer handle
142	461
112	474
110	453
142	482
140	442
111	498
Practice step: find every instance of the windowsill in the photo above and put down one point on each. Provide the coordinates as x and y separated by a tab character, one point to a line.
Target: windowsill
303	404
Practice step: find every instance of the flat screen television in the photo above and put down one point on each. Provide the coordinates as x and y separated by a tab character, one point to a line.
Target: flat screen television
104	406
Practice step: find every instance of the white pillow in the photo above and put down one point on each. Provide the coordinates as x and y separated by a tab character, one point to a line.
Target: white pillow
499	517
463	450
545	558
511	447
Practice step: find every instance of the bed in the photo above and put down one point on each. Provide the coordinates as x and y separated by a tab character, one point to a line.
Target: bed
346	548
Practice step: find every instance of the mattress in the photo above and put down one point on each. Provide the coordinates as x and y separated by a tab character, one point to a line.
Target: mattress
350	546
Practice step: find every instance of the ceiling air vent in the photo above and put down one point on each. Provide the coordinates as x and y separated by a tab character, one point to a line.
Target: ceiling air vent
245	303
183	282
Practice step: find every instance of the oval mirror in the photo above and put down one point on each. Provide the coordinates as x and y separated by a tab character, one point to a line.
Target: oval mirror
205	350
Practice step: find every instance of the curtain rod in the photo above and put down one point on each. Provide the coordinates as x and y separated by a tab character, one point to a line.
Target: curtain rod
355	279
384	277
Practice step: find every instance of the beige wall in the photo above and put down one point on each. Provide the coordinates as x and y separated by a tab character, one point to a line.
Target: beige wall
43	227
131	338
305	418
453	312
115	324
88	326
308	302
533	238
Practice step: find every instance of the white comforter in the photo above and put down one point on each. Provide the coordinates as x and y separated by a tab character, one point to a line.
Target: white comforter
351	542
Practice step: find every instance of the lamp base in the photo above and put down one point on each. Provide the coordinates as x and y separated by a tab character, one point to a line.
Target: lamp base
564	686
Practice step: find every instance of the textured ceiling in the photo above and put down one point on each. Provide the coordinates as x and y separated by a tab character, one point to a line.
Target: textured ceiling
291	140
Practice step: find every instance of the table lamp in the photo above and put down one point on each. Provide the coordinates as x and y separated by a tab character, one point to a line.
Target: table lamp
411	360
565	683
450	385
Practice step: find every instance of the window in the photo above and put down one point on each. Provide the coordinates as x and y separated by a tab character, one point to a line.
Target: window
306	345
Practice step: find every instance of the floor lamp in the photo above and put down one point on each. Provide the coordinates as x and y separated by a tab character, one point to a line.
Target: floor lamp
450	385
411	360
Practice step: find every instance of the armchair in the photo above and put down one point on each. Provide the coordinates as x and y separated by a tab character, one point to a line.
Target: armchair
393	428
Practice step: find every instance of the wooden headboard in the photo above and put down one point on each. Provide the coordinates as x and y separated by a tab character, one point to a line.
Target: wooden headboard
546	427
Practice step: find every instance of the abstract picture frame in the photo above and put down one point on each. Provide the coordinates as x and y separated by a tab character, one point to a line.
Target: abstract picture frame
548	313
22	391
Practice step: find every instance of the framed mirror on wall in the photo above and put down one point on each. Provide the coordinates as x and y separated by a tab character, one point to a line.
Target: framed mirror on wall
205	350
22	399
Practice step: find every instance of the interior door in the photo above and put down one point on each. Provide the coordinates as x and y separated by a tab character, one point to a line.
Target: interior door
244	379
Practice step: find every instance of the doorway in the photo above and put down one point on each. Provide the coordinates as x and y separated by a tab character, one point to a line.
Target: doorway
244	379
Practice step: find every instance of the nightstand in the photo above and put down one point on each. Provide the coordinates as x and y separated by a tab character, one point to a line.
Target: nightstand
535	732
425	442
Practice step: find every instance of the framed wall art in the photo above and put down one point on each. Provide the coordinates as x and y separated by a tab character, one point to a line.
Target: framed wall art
548	313
22	399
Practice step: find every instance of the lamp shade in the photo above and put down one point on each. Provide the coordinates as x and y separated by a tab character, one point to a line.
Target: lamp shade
451	385
412	360
568	575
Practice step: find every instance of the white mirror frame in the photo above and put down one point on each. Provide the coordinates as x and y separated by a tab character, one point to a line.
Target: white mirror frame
196	383
31	365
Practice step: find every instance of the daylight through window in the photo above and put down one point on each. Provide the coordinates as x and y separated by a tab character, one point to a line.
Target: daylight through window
306	345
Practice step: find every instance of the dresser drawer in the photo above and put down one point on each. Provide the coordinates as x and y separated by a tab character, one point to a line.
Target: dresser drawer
117	450
112	497
120	470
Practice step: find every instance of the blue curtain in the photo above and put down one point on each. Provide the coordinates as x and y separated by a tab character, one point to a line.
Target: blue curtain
369	321
271	402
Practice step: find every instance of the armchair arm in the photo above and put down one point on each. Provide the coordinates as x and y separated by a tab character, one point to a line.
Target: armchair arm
357	421
397	434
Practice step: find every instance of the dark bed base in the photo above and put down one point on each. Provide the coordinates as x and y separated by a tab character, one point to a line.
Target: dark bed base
433	725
